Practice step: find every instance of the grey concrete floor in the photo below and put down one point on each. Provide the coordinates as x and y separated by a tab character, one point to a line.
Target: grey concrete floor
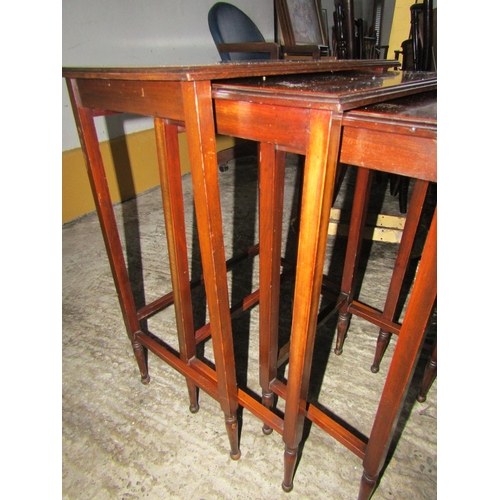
124	440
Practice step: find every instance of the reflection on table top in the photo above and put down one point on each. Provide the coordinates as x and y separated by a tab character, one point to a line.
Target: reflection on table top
415	114
421	107
326	83
341	91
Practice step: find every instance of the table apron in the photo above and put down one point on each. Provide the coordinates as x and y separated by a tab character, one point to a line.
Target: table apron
283	125
389	152
150	98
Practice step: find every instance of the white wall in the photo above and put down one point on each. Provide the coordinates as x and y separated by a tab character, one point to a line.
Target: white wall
140	33
151	33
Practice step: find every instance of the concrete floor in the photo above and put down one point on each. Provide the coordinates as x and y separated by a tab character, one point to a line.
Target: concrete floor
124	440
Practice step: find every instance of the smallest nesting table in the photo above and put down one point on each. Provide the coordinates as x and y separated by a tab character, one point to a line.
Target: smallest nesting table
397	137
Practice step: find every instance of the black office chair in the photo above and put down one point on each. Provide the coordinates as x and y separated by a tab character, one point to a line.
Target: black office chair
236	36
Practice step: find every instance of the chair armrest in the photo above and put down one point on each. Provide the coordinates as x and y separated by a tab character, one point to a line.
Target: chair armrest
271	48
300	50
382	51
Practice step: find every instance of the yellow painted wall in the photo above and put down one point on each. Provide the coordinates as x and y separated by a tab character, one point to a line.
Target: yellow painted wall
137	167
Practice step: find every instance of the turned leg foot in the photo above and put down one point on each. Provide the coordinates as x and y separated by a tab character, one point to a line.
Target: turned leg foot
342	325
232	432
290	462
141	358
268	402
429	376
367	487
193	408
193	397
267	430
382	343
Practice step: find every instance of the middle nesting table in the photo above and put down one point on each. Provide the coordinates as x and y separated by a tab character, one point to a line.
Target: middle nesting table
301	114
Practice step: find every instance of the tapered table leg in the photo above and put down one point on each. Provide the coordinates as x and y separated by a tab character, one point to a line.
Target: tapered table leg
319	177
403	364
400	266
354	242
173	208
104	206
200	131
271	192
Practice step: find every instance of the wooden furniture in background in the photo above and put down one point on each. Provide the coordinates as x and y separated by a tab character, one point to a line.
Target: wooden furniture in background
354	39
418	55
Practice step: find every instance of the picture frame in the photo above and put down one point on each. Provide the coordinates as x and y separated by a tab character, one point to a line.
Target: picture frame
301	22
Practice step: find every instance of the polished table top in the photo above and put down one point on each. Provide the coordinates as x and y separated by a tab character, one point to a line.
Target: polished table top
282	104
222	70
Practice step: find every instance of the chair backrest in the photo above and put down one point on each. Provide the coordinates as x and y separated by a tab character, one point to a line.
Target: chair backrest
418	50
228	24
